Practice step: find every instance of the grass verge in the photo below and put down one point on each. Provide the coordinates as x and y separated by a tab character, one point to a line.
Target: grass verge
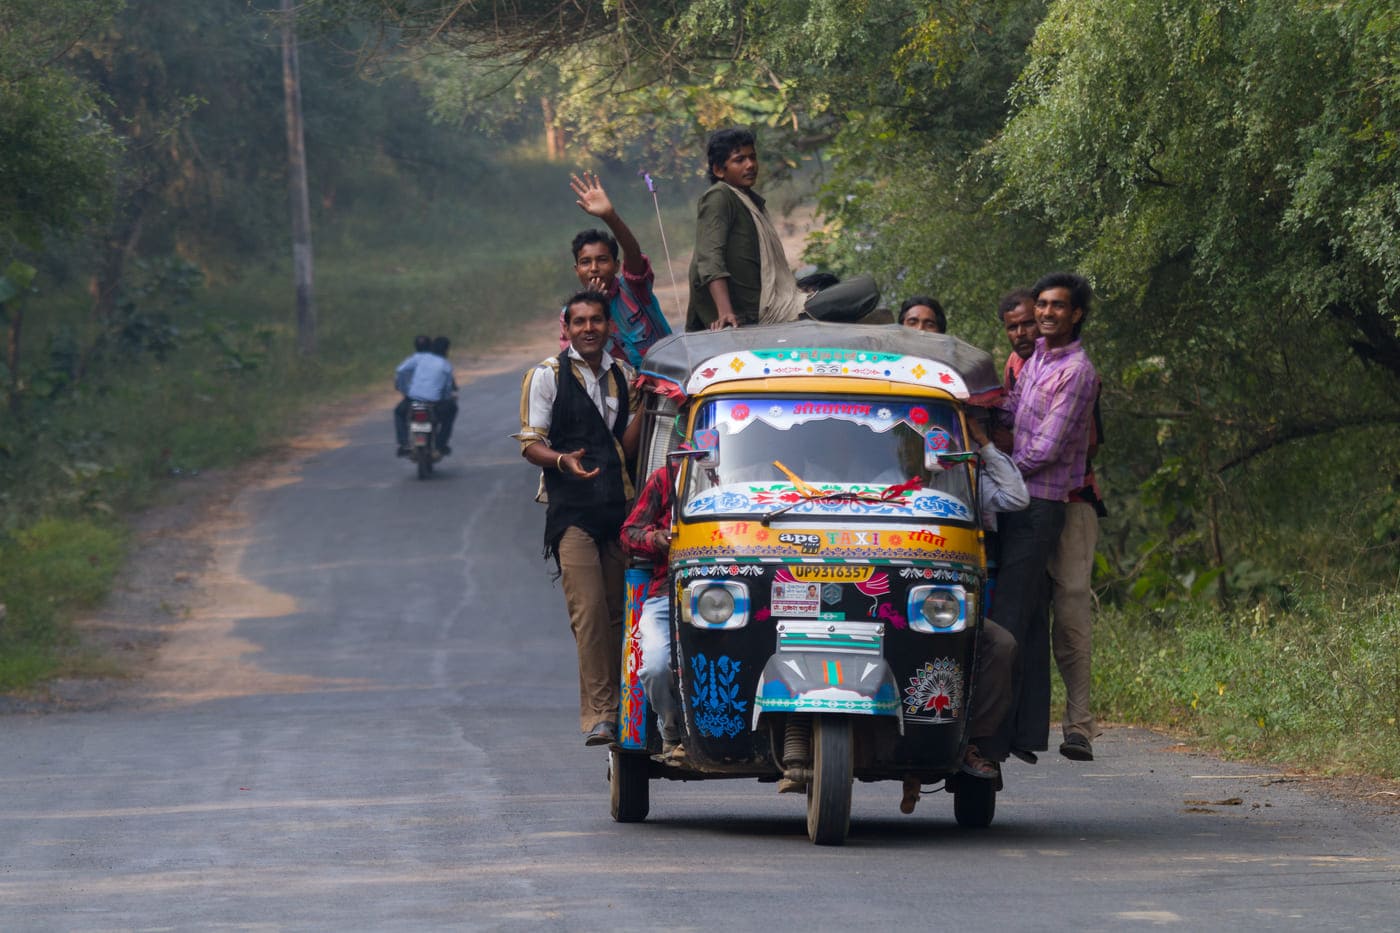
1317	685
47	571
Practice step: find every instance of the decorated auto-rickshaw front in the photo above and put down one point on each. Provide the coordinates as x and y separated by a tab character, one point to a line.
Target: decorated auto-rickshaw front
826	565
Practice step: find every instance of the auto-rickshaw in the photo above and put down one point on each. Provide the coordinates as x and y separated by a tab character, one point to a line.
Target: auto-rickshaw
827	565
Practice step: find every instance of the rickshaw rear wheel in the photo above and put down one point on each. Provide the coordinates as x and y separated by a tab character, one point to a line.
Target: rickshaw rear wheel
974	802
630	786
829	791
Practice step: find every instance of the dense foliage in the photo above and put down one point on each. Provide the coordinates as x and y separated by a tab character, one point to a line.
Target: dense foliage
55	154
151	274
1223	170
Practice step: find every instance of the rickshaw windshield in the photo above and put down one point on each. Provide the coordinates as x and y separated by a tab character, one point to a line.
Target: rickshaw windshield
843	457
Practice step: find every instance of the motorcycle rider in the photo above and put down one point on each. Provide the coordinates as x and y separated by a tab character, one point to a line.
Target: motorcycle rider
403	374
429	379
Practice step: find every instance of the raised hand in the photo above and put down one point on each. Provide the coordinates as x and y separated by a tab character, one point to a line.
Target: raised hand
591	196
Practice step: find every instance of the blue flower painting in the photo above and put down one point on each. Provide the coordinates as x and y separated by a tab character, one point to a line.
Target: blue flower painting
715	699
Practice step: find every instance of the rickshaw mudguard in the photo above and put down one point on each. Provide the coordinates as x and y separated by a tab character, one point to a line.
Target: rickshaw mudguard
823	667
632	701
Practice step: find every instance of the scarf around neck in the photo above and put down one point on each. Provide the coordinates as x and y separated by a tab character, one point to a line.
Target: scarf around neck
779	299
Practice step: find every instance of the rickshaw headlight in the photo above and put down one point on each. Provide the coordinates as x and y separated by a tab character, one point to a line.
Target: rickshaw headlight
718	604
714	604
939	609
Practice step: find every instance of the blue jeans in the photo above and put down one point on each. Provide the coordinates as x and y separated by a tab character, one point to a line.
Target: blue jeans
654	630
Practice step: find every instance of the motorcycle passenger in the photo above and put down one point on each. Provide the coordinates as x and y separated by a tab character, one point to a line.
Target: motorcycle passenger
403	374
432	381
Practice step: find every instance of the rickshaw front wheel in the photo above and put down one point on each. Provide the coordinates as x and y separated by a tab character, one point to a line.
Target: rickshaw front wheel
974	802
630	786
829	791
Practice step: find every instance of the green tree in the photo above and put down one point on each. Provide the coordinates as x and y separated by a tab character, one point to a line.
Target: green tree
1244	149
1226	174
56	152
895	94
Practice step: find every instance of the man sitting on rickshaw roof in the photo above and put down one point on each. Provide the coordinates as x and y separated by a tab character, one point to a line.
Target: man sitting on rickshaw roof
739	274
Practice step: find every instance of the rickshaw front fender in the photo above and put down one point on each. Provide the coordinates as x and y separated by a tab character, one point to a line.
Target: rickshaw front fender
827	682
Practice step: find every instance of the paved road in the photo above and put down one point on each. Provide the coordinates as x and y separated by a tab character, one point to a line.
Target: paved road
383	738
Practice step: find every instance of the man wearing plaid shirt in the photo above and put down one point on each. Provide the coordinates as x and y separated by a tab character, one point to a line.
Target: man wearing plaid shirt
637	321
1050	409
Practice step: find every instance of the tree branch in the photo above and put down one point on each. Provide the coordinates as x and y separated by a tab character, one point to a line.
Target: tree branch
1298	432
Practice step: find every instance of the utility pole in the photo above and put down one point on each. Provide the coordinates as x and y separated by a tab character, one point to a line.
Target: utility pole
296	182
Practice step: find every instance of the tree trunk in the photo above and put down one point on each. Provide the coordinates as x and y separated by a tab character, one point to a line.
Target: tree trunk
12	358
296	181
116	252
553	135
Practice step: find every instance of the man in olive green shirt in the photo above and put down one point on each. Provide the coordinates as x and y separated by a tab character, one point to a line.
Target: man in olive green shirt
727	271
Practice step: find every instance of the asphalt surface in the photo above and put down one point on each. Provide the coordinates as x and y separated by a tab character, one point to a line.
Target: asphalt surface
398	751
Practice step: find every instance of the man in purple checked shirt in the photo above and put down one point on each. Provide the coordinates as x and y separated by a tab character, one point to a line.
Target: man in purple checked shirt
1049	409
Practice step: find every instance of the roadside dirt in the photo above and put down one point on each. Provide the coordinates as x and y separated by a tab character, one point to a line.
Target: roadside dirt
165	632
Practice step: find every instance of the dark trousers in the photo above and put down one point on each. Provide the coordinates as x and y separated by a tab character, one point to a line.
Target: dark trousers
991	684
445	412
1021	606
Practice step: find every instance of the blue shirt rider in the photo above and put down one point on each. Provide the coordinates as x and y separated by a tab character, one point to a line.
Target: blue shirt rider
427	377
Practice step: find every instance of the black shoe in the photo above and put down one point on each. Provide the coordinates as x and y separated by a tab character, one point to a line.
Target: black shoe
604	733
1029	757
1077	747
403	451
445	450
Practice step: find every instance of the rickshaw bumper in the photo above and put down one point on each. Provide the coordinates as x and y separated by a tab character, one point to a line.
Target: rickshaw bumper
826	682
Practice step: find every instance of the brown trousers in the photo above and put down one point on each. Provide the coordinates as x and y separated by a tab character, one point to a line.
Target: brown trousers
592	576
1072	631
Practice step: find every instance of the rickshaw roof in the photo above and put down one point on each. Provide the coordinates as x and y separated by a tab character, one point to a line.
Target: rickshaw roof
694	361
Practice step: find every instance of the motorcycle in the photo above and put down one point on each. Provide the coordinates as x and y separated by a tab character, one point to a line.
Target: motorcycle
422	437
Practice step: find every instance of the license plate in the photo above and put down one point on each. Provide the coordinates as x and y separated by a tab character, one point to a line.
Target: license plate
420	427
831	573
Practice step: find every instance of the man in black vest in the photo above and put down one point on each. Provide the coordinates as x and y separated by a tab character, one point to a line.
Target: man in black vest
578	423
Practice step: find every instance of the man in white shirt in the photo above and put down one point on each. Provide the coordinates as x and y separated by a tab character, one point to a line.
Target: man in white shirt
578	424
